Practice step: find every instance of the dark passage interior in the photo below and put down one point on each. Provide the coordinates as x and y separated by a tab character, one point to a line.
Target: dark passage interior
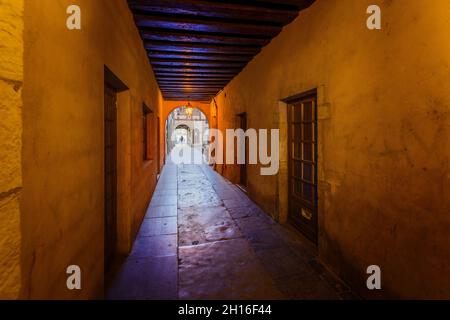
115	157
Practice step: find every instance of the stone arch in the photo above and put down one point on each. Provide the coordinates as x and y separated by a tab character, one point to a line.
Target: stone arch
184	126
195	128
171	106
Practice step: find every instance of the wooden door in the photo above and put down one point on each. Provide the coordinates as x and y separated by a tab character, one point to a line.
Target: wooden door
243	167
110	175
158	144
302	135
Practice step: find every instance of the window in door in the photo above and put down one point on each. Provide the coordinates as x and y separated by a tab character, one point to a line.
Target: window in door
302	135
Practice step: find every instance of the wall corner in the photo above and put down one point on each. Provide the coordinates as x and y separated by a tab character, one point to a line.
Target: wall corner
11	103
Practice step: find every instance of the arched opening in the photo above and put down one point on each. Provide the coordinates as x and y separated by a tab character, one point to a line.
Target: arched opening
187	127
183	134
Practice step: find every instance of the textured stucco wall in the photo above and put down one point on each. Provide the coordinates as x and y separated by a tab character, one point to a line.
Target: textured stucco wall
63	215
11	79
383	136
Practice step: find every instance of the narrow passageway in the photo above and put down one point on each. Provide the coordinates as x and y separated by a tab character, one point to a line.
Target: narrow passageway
203	238
332	116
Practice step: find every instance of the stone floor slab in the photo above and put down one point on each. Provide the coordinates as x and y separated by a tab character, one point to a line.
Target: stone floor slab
194	183
146	279
166	200
249	224
167	186
237	202
158	226
262	239
165	192
205	225
245	211
161	212
156	246
306	287
282	261
194	198
223	270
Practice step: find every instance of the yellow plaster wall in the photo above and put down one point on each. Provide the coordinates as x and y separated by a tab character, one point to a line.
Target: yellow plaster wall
63	214
383	136
11	80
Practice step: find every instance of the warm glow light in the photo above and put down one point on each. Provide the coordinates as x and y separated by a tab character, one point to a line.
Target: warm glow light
189	109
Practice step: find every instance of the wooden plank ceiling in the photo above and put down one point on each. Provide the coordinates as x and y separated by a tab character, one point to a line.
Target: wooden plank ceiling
197	46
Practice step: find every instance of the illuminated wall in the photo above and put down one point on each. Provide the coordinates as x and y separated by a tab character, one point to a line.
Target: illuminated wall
11	82
63	163
384	100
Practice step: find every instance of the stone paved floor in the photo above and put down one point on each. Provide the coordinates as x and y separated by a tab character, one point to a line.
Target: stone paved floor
203	238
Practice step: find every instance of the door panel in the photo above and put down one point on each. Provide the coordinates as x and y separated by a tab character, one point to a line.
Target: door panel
243	167
110	175
302	135
158	144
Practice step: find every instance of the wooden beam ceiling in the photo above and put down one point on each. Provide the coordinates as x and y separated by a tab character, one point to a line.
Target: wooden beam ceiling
197	46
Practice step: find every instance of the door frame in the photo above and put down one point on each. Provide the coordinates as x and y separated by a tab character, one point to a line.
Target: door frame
158	145
240	117
112	82
111	162
288	103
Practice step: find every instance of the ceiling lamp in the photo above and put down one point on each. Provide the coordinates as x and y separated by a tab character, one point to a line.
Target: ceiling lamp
189	110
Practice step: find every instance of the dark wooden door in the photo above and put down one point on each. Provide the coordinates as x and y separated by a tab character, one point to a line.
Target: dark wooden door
243	167
302	119
110	175
158	144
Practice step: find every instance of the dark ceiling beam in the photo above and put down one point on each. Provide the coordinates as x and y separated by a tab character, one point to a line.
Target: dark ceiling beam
190	81
197	70
193	79
193	75
201	25
200	48
203	97
204	88
198	63
183	98
192	89
188	95
183	36
223	10
196	90
196	47
181	78
206	98
297	4
198	56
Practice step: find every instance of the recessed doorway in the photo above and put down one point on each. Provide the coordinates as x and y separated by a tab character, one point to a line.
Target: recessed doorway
302	148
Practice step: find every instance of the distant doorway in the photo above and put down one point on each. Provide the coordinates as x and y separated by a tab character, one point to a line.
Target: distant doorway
187	126
302	146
